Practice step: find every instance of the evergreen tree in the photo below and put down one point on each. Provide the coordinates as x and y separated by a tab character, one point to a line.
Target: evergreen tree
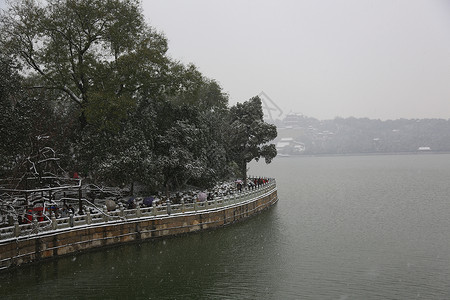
250	135
97	81
97	54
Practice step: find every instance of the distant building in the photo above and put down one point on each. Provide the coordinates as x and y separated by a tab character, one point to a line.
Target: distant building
284	143
288	146
294	120
424	149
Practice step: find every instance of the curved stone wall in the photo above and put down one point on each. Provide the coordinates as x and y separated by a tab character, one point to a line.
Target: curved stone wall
24	249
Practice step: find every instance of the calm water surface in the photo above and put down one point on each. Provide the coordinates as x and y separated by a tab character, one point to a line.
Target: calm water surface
362	227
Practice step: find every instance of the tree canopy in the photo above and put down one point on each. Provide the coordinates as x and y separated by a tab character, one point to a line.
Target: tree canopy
250	135
98	54
96	81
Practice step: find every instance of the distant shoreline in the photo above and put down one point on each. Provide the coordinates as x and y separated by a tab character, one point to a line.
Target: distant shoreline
365	154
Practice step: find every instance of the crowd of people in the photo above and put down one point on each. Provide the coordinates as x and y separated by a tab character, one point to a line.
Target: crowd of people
41	213
190	196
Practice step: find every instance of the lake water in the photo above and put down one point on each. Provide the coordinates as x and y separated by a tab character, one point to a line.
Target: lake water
347	227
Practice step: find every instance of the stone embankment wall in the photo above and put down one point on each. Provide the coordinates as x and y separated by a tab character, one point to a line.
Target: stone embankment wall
19	250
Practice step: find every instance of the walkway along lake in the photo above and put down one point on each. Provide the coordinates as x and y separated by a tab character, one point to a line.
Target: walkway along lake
348	227
21	244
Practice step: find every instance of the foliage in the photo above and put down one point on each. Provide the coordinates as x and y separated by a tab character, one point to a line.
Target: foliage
94	79
86	49
250	135
28	121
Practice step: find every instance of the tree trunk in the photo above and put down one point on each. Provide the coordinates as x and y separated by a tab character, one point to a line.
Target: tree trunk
82	119
167	191
244	173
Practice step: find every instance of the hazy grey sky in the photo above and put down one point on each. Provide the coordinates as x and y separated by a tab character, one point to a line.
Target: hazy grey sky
324	58
383	59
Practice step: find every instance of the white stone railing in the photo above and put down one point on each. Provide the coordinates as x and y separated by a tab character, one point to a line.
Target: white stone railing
121	214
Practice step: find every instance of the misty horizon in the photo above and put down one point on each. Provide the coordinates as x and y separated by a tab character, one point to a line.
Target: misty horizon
324	59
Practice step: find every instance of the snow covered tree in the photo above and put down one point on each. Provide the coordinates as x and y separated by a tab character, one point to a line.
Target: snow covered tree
250	135
12	133
98	82
197	91
96	53
206	98
24	117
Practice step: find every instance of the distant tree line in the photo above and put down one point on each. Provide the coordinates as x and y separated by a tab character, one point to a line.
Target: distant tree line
93	81
363	135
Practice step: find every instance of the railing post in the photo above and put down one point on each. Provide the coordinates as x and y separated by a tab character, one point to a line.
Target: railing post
16	228
54	223
80	203
71	222
121	210
169	209
88	218
35	224
183	208
138	210
154	208
195	205
105	214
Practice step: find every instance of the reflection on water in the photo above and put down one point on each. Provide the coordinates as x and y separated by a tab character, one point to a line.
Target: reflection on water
206	265
366	227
